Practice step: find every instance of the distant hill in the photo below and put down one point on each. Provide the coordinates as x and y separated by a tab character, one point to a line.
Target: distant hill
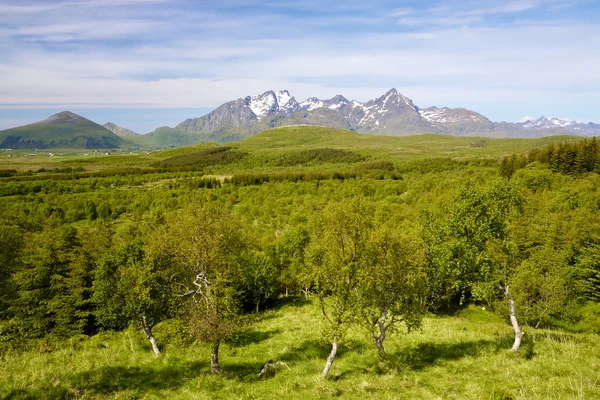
118	130
62	130
166	137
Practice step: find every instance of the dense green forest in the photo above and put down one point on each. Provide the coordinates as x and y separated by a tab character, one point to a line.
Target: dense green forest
304	262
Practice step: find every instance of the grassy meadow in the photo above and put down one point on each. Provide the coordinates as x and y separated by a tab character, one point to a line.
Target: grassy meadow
459	356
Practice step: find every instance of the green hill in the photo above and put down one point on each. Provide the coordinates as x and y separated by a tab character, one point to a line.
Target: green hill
166	137
62	130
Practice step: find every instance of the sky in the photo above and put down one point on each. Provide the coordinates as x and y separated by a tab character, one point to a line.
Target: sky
147	63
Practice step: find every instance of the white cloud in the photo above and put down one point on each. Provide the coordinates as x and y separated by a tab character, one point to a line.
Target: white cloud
20	8
401	12
443	57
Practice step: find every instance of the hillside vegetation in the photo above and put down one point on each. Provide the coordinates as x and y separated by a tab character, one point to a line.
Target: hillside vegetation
63	130
344	265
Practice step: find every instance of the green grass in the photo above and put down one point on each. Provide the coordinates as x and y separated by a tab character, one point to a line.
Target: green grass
463	356
266	151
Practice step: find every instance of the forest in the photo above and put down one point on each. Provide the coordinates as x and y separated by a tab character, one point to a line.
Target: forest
304	262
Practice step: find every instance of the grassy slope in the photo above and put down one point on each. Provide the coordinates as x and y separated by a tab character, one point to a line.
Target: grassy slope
166	137
463	356
270	145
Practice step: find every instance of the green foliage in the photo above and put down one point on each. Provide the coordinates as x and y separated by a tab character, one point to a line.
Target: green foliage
202	158
289	258
338	254
320	156
259	179
11	248
203	248
260	282
377	165
458	238
144	240
47	283
393	287
569	158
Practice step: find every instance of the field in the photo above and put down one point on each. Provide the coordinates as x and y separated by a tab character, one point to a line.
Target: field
93	244
459	356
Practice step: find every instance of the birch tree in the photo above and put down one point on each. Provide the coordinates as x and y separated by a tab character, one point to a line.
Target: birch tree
470	246
129	288
392	290
203	248
338	253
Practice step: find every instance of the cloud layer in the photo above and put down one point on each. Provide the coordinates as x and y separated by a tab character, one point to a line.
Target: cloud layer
505	60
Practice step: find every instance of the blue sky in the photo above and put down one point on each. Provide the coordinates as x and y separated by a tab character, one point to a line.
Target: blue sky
149	63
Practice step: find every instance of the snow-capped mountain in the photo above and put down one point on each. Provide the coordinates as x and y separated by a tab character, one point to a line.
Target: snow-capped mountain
390	114
462	121
546	123
270	103
551	125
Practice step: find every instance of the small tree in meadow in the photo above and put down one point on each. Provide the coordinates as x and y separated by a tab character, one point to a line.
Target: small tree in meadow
203	247
129	288
393	284
338	254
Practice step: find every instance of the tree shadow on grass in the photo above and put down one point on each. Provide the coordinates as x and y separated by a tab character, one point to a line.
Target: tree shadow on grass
243	371
108	380
314	348
252	337
291	301
424	355
112	380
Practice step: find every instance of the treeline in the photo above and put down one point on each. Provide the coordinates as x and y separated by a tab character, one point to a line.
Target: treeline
198	262
108	179
319	156
258	179
202	158
571	158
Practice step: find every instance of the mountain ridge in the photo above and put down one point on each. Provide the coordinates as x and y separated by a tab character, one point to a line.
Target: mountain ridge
119	130
389	114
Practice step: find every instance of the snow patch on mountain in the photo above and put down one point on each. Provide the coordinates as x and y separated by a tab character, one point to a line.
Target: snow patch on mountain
262	104
311	103
547	123
447	115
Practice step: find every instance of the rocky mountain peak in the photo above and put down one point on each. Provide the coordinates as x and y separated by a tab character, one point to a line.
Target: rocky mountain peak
393	99
65	116
337	102
117	130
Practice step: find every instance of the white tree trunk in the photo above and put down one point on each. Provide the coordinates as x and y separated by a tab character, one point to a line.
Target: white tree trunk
148	332
379	339
331	358
513	319
214	358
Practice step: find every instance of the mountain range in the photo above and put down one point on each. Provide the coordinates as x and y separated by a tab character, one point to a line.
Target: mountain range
390	114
